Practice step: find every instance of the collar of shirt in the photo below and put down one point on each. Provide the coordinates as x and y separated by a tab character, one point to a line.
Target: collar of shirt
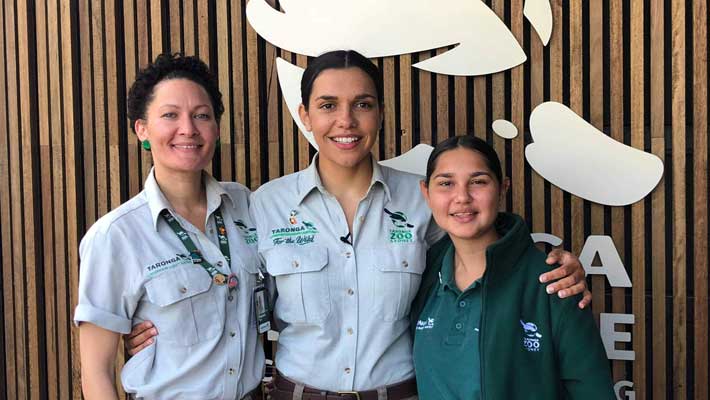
157	201
310	179
448	281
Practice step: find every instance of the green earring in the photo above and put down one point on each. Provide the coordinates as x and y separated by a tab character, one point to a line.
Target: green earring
146	145
218	143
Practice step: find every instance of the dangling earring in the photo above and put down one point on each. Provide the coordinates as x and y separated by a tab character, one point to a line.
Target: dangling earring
146	145
218	143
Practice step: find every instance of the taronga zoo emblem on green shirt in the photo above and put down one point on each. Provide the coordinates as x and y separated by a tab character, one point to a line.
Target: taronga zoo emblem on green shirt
297	232
249	234
402	231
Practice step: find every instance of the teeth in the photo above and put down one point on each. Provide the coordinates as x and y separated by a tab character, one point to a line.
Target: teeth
463	214
346	140
191	146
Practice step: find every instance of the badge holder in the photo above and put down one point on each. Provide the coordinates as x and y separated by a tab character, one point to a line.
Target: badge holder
262	311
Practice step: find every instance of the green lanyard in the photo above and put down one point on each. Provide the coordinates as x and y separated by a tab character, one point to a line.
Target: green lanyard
217	277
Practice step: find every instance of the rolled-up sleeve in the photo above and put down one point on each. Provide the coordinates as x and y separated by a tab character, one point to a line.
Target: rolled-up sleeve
107	297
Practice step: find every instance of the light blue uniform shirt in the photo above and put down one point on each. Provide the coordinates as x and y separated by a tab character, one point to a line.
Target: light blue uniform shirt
134	268
343	308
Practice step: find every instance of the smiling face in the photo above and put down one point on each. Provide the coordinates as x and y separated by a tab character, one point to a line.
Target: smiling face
344	116
464	195
181	127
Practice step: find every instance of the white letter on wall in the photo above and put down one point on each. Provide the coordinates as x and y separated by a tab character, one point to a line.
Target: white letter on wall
611	266
610	336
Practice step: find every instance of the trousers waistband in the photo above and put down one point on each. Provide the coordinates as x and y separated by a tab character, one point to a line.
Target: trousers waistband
282	388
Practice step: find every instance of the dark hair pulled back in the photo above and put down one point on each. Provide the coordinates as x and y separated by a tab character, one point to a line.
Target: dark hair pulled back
171	66
467	142
339	59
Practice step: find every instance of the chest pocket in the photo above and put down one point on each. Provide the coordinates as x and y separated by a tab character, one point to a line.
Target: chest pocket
397	274
301	275
183	307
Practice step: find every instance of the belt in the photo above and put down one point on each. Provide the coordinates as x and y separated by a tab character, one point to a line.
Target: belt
282	388
255	394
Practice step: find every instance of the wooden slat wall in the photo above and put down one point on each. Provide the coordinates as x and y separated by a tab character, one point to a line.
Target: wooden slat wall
636	70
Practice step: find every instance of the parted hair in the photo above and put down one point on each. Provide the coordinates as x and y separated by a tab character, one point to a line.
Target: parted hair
171	66
338	59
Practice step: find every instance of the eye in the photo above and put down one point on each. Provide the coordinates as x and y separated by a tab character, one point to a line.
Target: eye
203	116
444	183
364	105
479	181
169	115
327	106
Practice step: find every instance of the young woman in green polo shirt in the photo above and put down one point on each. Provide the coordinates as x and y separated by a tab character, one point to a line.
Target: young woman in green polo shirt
484	328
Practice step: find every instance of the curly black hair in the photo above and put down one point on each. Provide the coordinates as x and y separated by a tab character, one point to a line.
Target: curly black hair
171	66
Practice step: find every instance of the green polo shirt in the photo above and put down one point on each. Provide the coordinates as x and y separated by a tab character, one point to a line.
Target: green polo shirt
446	349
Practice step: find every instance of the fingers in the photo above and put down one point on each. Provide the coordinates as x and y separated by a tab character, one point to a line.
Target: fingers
132	351
586	299
140	337
555	274
138	329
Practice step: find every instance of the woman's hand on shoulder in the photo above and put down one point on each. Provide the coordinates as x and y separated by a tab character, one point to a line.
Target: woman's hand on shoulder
141	336
568	279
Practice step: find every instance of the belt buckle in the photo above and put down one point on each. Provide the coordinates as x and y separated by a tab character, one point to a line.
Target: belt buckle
352	393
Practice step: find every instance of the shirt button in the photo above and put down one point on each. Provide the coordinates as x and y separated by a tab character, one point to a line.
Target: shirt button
459	326
405	264
295	264
183	290
362	218
219	263
232	334
211	231
350	331
351	292
348	254
462	304
231	371
230	297
347	370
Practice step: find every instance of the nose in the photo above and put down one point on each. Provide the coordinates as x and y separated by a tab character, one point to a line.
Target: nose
463	195
346	119
187	126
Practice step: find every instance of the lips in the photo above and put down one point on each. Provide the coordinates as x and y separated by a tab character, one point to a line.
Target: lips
464	216
192	146
345	142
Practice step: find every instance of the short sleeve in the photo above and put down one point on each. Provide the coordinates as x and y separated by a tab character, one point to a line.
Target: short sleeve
107	297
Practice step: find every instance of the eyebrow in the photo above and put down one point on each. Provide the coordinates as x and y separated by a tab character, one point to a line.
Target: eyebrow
451	175
332	98
176	106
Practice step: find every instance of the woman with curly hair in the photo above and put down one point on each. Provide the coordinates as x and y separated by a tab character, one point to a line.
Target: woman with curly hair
179	254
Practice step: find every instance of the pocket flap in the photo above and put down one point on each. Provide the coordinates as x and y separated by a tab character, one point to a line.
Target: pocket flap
284	260
177	284
408	258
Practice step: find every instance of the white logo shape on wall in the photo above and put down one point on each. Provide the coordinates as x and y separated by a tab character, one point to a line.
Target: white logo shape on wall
380	28
572	154
603	170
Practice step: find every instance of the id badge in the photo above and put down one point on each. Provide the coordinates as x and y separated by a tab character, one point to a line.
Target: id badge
262	311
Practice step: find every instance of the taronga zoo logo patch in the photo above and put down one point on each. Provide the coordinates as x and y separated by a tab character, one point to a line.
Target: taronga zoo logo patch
249	234
531	336
295	233
402	231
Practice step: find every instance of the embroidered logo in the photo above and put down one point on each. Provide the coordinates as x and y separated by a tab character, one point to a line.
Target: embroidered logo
531	336
249	234
428	324
164	265
402	231
294	233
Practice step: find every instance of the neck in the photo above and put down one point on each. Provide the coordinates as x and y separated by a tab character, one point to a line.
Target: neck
184	191
470	254
349	182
